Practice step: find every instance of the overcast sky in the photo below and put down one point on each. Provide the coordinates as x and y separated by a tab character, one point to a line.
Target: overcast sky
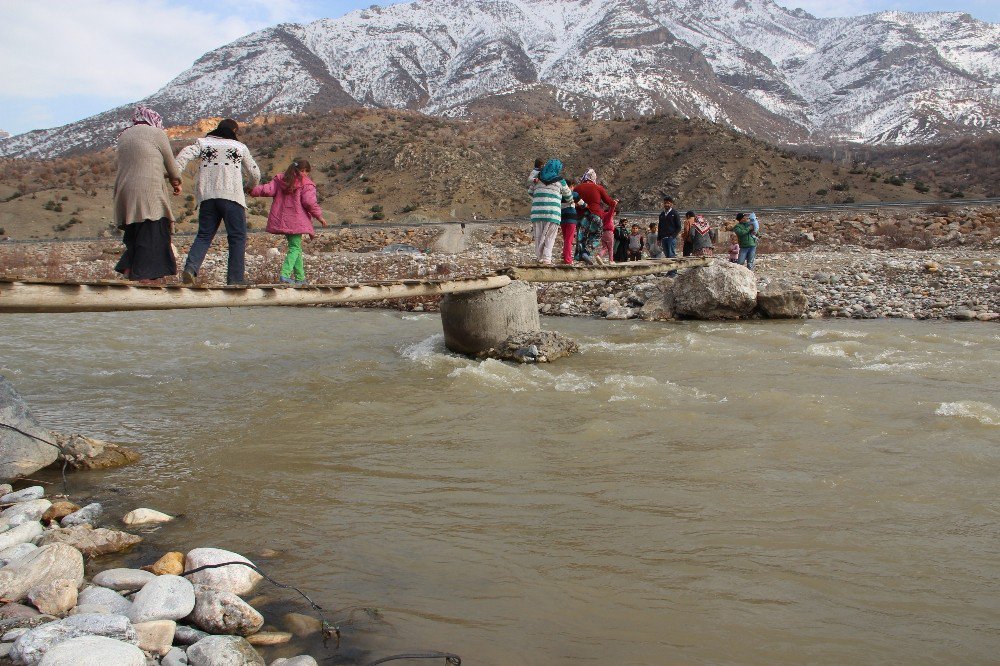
65	60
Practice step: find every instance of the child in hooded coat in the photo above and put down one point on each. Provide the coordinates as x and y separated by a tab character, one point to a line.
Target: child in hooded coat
294	205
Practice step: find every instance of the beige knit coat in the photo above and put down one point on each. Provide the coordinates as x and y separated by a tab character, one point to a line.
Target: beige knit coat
141	188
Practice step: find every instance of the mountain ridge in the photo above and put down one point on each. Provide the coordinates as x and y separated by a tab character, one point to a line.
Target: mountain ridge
781	75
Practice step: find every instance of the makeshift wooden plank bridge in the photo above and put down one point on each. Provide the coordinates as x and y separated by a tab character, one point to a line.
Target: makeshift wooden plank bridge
40	296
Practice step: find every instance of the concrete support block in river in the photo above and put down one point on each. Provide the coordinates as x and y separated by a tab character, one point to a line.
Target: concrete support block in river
477	321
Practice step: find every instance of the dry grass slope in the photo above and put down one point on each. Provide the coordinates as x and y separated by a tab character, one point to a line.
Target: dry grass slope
374	165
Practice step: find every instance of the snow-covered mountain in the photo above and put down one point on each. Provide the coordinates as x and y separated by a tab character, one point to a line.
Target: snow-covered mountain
783	75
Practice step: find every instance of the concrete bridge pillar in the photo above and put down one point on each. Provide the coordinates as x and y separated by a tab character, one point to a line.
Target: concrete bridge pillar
479	320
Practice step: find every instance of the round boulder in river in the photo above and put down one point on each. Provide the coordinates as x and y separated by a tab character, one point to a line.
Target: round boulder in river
164	598
93	651
721	290
223	651
236	578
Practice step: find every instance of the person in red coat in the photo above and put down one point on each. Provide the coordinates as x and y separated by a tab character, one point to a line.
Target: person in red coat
599	201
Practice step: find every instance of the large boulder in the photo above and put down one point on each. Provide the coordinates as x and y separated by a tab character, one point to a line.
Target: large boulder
223	651
23	533
123	579
659	305
33	646
8	555
156	637
235	578
92	542
22	454
55	597
782	300
537	347
88	453
93	651
721	290
105	599
85	516
39	567
25	512
23	495
222	612
164	598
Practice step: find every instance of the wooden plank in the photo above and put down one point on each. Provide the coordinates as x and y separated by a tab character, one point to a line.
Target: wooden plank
586	272
41	296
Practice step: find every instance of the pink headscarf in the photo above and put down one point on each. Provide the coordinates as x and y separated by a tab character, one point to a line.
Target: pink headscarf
591	175
143	115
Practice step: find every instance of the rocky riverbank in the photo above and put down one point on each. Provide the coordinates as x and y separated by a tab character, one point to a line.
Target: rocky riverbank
850	282
62	605
932	265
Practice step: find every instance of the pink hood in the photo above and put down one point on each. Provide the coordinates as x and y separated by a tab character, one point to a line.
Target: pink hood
290	213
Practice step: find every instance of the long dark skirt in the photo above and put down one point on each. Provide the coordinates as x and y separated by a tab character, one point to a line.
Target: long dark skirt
148	254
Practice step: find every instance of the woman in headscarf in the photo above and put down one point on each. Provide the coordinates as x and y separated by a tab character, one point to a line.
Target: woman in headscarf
600	202
703	237
141	206
549	193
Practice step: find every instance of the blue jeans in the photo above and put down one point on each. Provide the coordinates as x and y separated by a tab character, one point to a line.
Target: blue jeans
669	250
747	254
212	213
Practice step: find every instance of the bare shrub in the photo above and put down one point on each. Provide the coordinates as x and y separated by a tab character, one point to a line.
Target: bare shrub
905	235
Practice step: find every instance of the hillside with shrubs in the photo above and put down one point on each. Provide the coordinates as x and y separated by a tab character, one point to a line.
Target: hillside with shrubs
377	166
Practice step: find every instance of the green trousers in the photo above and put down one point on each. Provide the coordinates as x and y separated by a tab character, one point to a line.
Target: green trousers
293	260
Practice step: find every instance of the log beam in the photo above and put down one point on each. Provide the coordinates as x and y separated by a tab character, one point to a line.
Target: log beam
42	296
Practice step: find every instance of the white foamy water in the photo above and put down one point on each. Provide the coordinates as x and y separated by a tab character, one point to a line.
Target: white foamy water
969	409
834	349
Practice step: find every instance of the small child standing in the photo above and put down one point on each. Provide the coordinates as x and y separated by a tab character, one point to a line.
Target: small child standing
636	241
734	248
294	195
653	243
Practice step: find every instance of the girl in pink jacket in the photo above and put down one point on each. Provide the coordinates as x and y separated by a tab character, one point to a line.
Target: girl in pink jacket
293	207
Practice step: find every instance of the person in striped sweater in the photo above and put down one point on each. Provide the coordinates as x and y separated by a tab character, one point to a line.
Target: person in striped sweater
549	193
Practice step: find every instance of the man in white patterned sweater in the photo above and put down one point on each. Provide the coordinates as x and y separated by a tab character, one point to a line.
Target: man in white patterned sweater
223	164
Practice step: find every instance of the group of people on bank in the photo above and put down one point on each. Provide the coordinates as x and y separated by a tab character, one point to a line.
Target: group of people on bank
585	213
227	173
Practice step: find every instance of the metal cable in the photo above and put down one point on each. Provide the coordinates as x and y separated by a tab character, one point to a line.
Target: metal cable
330	630
452	659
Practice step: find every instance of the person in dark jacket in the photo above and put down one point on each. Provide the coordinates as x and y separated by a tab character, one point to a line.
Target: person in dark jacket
747	240
668	228
621	241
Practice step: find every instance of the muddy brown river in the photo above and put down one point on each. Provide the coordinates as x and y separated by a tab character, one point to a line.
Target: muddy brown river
809	492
